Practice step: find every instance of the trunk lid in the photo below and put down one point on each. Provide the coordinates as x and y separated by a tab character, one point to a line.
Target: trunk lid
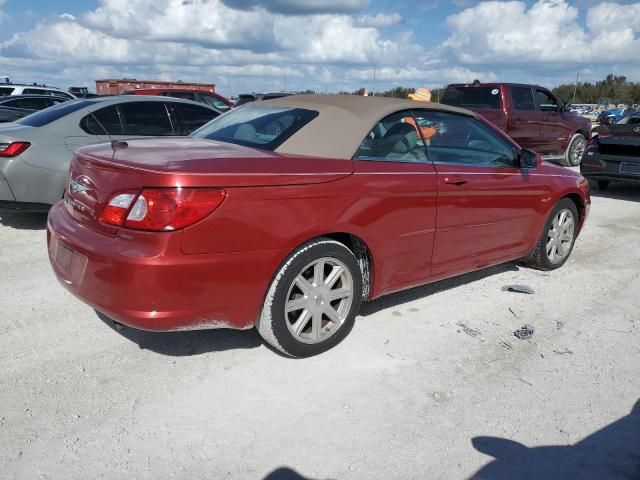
99	171
620	140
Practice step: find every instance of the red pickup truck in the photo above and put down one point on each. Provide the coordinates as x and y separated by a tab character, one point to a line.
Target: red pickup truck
531	115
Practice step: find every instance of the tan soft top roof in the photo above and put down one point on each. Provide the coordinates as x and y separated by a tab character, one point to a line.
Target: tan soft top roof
343	121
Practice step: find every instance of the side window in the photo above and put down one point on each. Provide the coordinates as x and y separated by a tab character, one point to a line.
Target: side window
102	122
56	101
32	103
33	91
191	117
546	102
145	119
462	140
6	91
522	98
393	139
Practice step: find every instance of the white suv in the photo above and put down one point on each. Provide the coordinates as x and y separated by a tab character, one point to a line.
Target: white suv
11	89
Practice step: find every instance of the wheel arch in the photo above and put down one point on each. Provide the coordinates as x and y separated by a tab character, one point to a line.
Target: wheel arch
580	205
355	243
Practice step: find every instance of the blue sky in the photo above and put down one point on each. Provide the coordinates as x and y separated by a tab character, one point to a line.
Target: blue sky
325	45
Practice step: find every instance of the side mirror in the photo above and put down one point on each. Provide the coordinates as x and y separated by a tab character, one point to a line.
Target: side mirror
528	159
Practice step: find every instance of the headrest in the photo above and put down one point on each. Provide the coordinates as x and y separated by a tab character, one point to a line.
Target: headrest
401	138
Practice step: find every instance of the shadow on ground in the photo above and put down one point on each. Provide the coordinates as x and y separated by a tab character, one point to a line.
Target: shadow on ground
183	344
611	453
395	299
23	220
285	473
618	191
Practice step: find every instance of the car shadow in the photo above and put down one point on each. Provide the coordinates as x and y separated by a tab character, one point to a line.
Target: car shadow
619	191
395	299
184	344
285	473
612	453
23	220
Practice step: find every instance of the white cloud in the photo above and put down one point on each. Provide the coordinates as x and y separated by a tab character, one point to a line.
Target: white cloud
379	20
300	7
209	23
510	33
206	31
613	16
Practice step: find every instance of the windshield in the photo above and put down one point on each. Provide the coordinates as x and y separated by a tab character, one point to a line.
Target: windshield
51	114
257	125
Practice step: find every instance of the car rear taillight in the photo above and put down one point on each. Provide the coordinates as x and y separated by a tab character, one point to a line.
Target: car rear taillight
13	149
162	209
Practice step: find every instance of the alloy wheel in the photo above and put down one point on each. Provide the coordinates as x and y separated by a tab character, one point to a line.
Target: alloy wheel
560	236
319	300
577	150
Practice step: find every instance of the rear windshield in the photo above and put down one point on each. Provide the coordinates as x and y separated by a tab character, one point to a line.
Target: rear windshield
6	91
51	114
257	125
472	97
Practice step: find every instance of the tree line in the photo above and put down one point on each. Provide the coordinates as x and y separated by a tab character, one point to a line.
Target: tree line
613	89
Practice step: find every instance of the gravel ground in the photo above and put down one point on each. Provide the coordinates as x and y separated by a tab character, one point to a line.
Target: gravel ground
430	384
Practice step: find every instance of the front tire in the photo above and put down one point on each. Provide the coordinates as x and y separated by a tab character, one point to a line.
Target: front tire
573	155
558	237
313	299
603	184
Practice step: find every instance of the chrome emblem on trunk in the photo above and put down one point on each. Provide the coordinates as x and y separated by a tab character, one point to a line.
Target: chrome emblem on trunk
75	186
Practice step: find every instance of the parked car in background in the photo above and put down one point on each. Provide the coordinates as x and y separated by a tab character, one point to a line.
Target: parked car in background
614	154
290	228
81	92
256	97
208	98
531	115
35	151
614	115
16	89
14	107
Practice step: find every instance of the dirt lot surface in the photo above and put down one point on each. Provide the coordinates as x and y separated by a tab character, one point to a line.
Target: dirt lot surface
430	384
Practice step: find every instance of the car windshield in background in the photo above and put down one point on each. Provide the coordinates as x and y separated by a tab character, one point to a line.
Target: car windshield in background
259	126
214	102
472	97
51	114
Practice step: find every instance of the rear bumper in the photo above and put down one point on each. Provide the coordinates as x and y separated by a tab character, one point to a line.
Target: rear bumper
6	195
147	283
595	166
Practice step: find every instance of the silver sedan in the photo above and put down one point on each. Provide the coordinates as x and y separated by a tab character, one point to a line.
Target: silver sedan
35	151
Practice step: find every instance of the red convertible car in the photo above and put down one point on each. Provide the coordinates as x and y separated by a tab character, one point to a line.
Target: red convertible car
286	214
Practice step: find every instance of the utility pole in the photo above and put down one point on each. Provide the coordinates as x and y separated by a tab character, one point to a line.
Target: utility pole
285	81
576	88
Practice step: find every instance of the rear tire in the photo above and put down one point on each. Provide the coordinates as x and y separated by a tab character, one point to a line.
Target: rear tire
603	184
313	299
558	237
573	155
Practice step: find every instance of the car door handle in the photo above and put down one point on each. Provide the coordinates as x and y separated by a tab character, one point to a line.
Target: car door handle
455	180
